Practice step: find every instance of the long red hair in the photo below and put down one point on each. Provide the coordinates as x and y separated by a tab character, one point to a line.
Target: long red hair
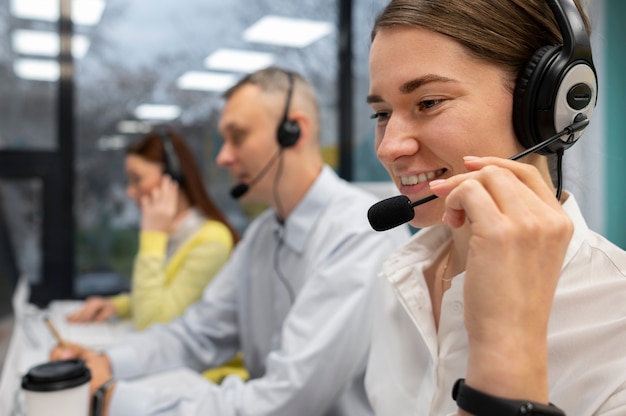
151	147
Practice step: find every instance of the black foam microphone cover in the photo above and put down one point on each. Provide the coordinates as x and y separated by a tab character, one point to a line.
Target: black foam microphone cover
238	190
390	213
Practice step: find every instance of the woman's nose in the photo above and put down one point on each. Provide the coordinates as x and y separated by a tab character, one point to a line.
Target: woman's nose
398	138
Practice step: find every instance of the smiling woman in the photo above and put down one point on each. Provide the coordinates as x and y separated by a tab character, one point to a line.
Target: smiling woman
437	112
504	278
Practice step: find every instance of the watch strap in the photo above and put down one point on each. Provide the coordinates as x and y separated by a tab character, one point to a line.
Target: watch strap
482	404
97	400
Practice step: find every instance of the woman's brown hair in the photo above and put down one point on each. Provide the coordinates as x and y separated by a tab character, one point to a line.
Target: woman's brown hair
503	32
151	147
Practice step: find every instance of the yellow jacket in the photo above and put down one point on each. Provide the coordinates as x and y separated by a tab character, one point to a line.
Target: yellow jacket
162	290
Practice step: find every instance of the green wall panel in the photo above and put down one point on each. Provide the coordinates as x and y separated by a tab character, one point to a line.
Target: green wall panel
615	123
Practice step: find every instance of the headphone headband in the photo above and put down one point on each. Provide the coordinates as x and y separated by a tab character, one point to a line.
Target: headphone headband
172	164
557	84
575	38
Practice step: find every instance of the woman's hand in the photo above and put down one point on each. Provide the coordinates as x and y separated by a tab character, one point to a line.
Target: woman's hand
159	208
95	309
518	237
98	363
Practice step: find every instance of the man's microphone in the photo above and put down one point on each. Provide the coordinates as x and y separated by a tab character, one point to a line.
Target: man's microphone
240	189
392	212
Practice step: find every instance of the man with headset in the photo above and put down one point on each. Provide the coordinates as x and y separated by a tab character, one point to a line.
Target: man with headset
295	296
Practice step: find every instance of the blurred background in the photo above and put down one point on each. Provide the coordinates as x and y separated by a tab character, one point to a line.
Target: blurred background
80	79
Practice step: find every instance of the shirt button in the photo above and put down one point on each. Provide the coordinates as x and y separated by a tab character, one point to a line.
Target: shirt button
456	307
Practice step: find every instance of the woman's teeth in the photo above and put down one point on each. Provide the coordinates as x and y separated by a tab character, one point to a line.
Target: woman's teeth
421	178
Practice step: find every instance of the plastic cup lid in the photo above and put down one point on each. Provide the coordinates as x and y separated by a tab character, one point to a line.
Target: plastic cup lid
56	375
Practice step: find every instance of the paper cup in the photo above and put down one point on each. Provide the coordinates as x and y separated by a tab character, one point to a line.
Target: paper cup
57	388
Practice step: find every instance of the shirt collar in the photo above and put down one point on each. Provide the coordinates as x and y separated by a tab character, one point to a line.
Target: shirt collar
304	218
423	248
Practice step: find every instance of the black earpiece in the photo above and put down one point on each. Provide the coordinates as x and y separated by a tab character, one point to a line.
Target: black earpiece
172	163
558	83
288	131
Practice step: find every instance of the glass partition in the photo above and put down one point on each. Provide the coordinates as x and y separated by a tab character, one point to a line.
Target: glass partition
131	56
177	58
367	168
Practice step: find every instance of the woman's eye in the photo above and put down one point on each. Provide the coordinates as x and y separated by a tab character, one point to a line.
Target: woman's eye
426	104
380	116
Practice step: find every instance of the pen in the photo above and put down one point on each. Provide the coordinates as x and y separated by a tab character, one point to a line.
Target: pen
54	331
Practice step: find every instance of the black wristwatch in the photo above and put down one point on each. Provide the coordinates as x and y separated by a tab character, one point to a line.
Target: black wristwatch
483	404
97	401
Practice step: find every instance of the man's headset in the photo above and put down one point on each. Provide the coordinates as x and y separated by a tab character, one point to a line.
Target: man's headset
172	163
557	84
288	131
287	134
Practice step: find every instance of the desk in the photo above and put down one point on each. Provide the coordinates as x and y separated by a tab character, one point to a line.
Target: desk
31	342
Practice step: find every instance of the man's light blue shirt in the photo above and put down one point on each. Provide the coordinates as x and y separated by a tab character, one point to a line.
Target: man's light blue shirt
304	358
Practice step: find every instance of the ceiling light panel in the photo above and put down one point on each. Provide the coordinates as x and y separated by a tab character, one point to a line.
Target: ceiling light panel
206	81
37	69
238	60
133	127
112	142
163	112
84	12
296	33
35	42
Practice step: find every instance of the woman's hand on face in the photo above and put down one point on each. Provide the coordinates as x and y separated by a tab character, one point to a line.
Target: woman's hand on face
95	309
159	208
519	235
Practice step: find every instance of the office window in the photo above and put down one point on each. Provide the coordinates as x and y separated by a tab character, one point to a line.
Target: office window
164	62
28	126
28	104
131	57
366	165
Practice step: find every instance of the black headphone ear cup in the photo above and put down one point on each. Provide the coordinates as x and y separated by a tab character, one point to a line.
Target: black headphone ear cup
172	164
525	95
288	133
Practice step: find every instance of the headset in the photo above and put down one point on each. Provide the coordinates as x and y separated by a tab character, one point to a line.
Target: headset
287	134
557	86
172	164
288	131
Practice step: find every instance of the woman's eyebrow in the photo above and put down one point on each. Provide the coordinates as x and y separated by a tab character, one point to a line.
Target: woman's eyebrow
414	84
410	86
